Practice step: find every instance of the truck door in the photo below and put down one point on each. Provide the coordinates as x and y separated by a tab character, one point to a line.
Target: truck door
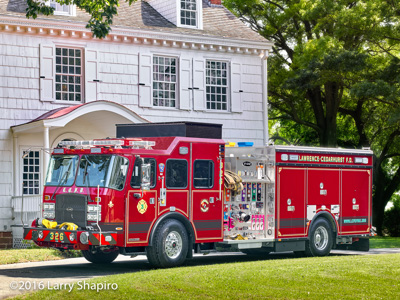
356	202
141	206
206	206
291	213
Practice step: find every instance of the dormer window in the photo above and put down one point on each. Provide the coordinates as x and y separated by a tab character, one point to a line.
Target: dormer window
189	13
64	10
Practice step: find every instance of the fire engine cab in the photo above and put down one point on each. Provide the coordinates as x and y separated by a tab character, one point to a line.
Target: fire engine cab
168	190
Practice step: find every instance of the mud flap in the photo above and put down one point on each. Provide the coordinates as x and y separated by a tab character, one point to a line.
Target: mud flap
360	245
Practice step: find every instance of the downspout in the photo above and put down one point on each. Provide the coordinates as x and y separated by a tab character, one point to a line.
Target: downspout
265	95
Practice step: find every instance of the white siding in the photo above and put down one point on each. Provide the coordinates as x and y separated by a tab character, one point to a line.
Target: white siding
118	72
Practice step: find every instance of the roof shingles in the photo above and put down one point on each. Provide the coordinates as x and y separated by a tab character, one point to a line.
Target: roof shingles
217	20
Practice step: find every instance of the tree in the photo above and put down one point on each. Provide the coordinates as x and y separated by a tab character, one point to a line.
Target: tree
334	77
101	12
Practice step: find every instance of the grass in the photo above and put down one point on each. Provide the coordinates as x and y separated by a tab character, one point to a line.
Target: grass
12	256
333	277
384	242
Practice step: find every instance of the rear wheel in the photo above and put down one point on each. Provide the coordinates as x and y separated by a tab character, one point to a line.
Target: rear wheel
321	238
100	257
170	245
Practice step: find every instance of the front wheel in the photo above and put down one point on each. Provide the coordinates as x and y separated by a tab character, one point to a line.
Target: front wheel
170	245
321	239
100	257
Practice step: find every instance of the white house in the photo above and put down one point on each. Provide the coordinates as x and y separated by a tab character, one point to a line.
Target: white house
165	60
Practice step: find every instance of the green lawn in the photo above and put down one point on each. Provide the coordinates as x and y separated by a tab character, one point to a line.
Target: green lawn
384	242
333	277
12	256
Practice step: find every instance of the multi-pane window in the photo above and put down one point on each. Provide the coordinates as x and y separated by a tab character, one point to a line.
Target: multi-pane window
68	74
61	9
217	85
188	12
164	81
30	173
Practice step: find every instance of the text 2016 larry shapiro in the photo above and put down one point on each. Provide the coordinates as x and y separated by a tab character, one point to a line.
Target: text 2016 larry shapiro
79	286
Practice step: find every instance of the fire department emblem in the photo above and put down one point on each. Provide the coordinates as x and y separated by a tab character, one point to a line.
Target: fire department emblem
204	205
142	206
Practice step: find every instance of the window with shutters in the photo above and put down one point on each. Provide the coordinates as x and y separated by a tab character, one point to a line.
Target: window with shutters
59	9
69	74
31	173
164	81
217	85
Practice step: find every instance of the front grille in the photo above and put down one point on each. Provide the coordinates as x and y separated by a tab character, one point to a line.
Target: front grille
71	208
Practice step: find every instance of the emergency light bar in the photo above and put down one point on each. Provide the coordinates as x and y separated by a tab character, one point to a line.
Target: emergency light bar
92	143
142	144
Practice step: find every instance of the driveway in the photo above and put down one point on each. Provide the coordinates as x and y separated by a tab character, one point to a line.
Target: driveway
20	278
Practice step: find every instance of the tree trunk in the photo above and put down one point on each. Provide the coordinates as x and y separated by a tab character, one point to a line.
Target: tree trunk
378	205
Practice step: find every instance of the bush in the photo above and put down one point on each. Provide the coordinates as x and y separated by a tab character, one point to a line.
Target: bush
391	221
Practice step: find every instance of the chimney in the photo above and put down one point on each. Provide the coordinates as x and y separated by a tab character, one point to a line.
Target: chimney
215	2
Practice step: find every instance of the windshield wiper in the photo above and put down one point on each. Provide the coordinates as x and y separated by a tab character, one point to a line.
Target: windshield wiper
86	174
63	180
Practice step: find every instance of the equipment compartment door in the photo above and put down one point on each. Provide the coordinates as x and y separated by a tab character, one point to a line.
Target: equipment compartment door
291	212
206	206
356	202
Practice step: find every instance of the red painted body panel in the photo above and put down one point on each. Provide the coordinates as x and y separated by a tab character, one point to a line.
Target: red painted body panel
323	182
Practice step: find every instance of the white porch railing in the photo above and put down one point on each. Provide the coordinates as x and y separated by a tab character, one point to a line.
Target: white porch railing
29	211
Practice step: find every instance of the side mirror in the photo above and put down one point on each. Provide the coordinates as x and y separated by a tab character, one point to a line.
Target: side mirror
146	177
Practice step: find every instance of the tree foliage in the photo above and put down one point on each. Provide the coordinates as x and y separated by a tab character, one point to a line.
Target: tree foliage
101	12
334	77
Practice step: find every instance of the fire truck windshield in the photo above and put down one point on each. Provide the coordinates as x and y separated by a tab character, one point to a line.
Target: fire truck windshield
92	170
62	170
102	170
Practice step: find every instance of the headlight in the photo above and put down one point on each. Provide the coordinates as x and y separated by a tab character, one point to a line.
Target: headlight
40	234
72	237
92	212
49	215
93	216
49	210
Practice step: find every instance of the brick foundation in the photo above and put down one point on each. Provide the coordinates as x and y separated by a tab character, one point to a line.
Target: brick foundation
6	240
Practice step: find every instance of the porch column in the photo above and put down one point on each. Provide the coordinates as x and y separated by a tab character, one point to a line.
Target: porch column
16	162
46	149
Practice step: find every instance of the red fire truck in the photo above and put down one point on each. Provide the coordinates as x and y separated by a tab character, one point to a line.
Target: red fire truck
168	190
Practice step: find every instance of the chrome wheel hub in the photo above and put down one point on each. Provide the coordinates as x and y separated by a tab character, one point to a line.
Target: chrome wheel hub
173	244
321	238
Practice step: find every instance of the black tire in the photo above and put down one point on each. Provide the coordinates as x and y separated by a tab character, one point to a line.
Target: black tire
100	257
170	245
320	239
